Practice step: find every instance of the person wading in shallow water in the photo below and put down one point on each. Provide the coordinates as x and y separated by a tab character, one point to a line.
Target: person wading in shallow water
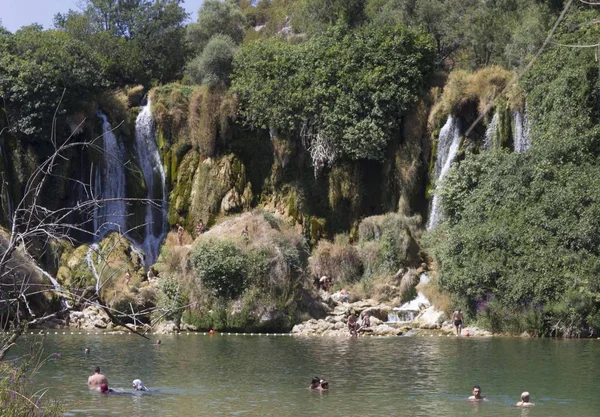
457	317
97	379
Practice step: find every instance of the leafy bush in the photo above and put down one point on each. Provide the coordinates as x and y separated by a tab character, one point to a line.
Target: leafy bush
172	299
221	266
214	64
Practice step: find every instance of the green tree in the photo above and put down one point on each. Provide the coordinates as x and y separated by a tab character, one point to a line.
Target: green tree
147	37
215	63
216	17
347	90
35	67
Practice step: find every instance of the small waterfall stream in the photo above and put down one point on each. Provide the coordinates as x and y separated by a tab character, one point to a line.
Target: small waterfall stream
490	132
521	139
95	248
57	287
448	145
148	158
110	184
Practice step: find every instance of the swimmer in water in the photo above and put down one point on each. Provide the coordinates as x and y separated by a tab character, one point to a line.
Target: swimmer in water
96	380
87	351
525	400
104	389
158	342
137	384
476	394
315	384
324	385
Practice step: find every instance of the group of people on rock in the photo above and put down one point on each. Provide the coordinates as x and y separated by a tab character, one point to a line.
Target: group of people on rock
354	328
525	397
99	382
319	384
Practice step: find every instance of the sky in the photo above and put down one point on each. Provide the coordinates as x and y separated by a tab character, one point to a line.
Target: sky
17	13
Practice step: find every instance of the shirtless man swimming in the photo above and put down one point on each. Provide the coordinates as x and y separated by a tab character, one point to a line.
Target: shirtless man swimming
97	379
476	394
457	318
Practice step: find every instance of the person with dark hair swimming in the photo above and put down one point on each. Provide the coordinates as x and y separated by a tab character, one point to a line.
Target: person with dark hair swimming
476	394
324	385
316	383
96	380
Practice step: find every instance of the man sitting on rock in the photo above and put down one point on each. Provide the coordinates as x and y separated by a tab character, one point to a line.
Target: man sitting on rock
352	325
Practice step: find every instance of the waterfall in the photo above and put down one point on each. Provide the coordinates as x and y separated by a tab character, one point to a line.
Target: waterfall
490	132
110	184
95	248
448	144
56	285
149	161
521	140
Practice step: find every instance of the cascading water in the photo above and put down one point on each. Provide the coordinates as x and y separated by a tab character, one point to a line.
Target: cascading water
521	140
490	132
110	185
95	248
149	160
448	144
56	286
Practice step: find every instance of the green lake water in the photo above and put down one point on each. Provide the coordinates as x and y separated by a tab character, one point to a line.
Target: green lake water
196	375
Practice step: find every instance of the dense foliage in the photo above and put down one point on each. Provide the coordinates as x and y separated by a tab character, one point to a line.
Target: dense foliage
350	88
522	231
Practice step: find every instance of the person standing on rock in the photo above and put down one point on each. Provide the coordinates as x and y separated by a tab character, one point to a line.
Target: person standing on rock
457	317
180	234
96	380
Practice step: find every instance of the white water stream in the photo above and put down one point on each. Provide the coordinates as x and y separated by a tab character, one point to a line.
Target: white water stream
490	133
110	184
521	139
148	158
447	149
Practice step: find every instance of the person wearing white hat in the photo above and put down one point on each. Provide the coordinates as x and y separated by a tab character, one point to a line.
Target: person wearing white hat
137	384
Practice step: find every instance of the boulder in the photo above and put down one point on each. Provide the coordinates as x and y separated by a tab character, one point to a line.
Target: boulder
430	318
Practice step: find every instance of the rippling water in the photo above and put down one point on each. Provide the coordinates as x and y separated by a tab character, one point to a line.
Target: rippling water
195	375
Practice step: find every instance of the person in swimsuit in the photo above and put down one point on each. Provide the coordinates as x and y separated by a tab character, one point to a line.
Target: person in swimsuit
457	317
104	389
315	384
